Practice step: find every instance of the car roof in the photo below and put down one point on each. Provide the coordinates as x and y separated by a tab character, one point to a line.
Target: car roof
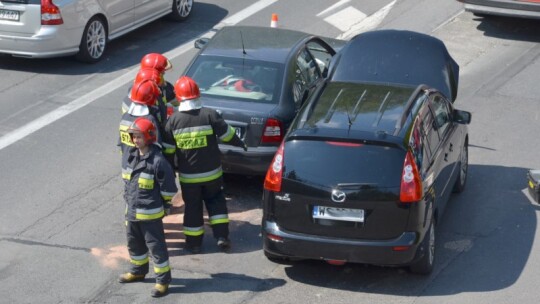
399	57
260	43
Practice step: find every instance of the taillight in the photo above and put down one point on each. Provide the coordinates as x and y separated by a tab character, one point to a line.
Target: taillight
272	182
50	13
411	184
273	131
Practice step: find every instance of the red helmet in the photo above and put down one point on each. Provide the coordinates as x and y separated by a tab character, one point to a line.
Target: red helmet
148	73
146	127
145	92
186	88
156	61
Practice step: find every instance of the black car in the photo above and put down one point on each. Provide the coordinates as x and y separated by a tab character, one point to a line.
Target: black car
258	78
368	165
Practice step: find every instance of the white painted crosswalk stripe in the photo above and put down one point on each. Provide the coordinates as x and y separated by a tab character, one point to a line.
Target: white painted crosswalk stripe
346	18
340	3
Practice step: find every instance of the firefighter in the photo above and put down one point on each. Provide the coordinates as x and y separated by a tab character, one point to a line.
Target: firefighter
149	186
195	131
143	99
161	64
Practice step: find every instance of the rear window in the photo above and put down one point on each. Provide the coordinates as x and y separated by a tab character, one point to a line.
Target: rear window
328	163
366	107
237	78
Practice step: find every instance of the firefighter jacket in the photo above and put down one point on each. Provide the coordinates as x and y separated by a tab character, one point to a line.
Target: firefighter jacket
149	184
195	134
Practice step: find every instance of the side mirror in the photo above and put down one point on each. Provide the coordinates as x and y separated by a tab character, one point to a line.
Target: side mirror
462	117
200	43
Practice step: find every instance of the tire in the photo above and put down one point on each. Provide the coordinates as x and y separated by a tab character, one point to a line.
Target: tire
94	41
459	186
427	249
181	9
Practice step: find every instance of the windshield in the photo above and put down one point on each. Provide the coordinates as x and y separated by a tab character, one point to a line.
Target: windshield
237	78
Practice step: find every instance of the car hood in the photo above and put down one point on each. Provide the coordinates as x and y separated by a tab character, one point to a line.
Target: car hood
399	57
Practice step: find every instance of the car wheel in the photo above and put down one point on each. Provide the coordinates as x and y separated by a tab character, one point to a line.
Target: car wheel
425	264
459	186
93	42
181	9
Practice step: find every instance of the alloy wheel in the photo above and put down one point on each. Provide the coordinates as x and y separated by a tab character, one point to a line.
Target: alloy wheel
431	248
184	7
95	39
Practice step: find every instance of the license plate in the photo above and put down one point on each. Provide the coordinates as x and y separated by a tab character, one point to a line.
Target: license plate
338	214
9	15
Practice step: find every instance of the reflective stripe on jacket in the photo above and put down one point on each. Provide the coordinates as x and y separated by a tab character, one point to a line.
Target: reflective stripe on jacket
195	135
149	184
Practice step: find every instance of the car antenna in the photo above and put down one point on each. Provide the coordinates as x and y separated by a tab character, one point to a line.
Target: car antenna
242	39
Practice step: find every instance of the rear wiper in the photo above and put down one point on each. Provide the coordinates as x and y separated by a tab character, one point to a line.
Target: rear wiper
332	108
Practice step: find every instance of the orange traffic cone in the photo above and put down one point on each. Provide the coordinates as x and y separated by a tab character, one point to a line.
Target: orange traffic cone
273	23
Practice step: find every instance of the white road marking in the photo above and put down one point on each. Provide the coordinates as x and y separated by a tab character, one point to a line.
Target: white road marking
340	3
368	23
346	18
448	20
92	96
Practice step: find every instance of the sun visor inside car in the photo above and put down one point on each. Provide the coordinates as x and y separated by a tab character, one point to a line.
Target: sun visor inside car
399	57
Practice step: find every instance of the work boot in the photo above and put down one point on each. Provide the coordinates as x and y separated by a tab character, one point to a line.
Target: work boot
194	249
160	290
224	244
130	278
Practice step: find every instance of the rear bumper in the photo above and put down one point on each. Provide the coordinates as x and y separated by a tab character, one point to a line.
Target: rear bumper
378	252
50	41
510	8
253	162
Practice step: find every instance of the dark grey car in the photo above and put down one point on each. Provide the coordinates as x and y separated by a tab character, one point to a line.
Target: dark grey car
258	78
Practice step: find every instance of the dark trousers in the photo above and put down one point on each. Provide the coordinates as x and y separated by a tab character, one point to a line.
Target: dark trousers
145	236
211	194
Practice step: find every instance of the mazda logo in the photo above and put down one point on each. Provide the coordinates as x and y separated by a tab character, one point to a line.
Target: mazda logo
338	196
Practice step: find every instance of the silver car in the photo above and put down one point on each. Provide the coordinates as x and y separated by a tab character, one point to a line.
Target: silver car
52	28
509	8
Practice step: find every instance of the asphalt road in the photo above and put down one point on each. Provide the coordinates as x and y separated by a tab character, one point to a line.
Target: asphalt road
62	237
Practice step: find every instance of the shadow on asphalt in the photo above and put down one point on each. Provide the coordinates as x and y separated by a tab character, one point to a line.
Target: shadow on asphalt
510	28
484	242
224	282
243	194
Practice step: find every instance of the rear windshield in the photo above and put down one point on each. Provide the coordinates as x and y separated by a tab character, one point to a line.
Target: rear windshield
329	163
366	107
237	78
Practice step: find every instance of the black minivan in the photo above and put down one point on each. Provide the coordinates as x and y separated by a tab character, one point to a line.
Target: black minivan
368	165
